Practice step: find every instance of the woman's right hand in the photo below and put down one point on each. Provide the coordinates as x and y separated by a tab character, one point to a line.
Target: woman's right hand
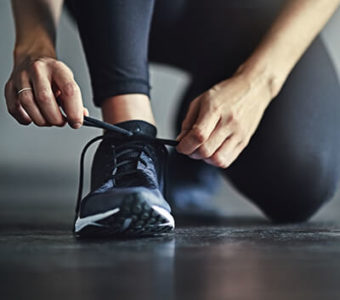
46	80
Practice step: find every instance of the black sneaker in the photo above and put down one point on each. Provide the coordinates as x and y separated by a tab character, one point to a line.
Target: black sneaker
127	185
192	186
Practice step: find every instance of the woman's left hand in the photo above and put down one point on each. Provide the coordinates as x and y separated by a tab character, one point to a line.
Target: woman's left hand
221	121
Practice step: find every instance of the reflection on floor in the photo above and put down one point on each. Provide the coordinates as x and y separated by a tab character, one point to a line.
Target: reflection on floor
232	258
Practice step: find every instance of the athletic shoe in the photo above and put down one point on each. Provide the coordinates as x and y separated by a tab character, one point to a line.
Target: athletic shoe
127	185
192	185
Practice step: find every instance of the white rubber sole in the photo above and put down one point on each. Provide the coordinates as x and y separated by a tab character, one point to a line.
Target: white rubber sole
120	221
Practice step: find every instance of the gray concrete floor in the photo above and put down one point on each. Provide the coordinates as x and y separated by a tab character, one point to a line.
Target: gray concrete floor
239	256
236	257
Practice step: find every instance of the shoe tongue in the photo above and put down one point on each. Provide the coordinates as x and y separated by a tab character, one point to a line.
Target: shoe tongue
139	126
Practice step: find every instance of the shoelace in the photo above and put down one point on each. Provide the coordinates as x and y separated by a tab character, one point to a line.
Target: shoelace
121	134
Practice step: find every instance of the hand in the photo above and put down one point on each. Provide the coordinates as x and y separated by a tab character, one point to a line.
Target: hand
221	121
48	79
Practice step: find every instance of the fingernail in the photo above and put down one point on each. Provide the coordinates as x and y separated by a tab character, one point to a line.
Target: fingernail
76	125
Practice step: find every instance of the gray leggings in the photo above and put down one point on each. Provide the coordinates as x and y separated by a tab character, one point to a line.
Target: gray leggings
291	165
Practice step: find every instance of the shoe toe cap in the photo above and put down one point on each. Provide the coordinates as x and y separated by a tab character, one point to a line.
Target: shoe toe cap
95	203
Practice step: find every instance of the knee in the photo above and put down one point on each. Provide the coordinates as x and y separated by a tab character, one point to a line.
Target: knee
298	190
300	208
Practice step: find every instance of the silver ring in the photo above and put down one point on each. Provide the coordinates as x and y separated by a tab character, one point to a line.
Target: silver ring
24	89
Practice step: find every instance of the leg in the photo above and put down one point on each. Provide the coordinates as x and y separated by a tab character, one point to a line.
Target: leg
297	144
115	38
291	166
127	183
209	40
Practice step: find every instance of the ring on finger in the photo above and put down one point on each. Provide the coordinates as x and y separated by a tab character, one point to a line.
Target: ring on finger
23	89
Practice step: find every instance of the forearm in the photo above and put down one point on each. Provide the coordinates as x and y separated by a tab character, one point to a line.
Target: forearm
299	22
35	23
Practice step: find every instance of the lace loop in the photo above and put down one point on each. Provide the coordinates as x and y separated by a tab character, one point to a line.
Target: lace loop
131	148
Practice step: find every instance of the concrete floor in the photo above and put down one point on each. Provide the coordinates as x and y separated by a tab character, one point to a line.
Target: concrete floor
232	258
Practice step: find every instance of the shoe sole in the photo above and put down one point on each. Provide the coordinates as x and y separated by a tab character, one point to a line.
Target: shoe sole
133	218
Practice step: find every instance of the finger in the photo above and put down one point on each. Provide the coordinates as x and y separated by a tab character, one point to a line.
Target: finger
181	134
44	96
70	95
200	131
221	132
13	105
23	116
234	155
86	112
26	99
225	154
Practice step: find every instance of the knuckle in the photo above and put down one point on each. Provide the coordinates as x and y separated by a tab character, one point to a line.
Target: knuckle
59	65
198	134
75	118
40	123
44	96
204	151
224	166
58	122
36	66
24	122
231	117
209	93
70	89
212	91
219	160
215	88
214	108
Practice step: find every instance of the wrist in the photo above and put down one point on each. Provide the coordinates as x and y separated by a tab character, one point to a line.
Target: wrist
32	50
261	72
